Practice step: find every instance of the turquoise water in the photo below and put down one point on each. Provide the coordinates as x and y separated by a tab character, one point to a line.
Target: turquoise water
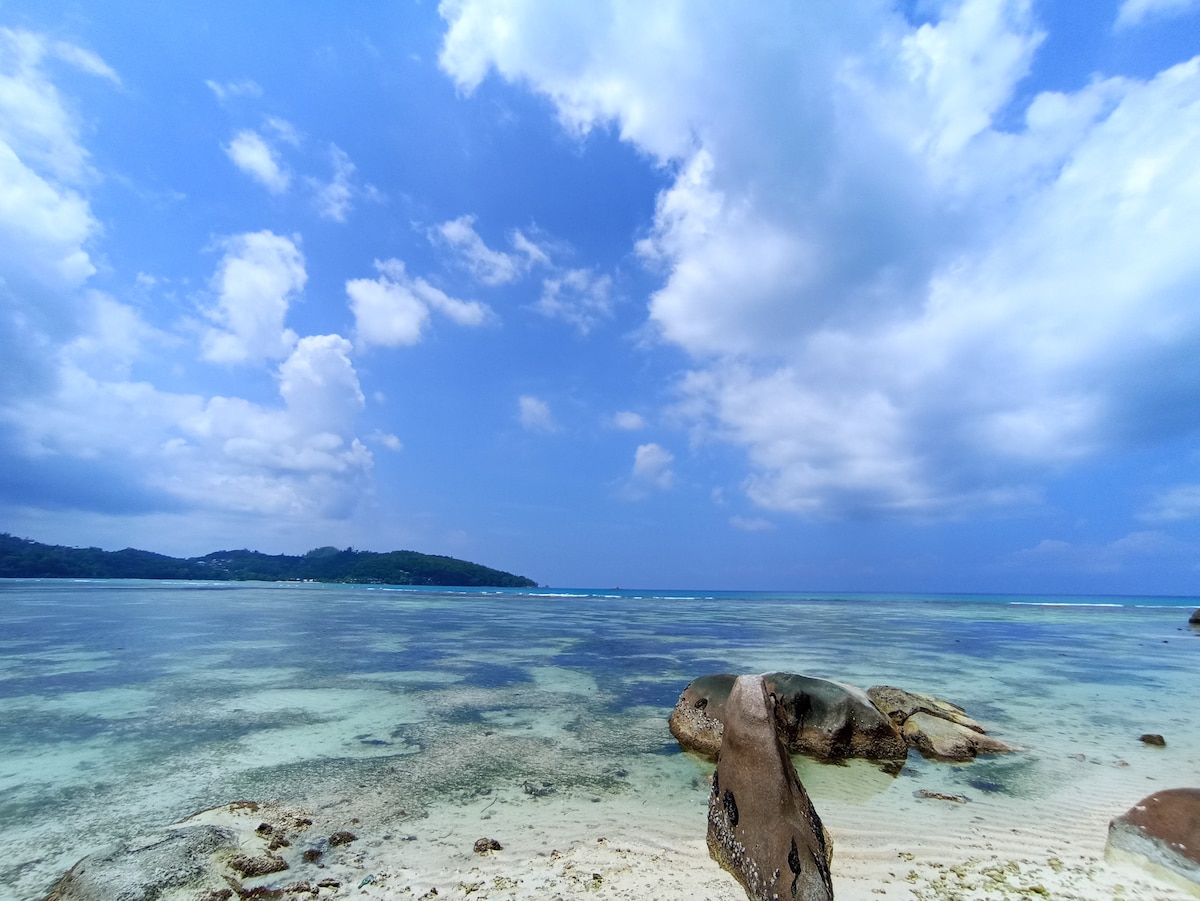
127	705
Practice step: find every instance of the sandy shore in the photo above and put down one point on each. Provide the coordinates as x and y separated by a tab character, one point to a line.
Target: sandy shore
890	844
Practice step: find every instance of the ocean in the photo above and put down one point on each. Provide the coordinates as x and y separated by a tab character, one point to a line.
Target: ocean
128	705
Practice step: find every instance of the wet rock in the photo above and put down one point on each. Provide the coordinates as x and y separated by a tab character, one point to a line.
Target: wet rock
143	871
936	728
1162	834
487	845
1194	619
250	867
819	717
762	827
538	791
342	838
940	739
312	855
1153	738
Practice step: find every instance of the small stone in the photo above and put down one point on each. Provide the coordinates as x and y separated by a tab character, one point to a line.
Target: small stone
329	883
342	838
264	829
939	796
312	855
1152	738
487	845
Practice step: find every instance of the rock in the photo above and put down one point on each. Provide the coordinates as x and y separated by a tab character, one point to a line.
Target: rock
487	845
940	739
1162	834
831	720
143	871
939	796
342	838
697	722
899	705
1152	738
250	867
819	717
1194	619
762	827
938	729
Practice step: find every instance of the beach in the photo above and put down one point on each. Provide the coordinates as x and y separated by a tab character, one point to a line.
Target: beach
422	722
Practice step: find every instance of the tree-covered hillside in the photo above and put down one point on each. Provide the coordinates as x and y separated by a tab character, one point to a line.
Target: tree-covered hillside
23	558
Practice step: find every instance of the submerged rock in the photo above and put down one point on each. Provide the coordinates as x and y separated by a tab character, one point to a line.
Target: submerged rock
1153	738
144	870
819	717
762	827
1162	834
937	729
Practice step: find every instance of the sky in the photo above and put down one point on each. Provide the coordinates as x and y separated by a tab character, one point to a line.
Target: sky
877	295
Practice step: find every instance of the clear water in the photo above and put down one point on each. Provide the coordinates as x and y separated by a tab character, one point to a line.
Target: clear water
128	705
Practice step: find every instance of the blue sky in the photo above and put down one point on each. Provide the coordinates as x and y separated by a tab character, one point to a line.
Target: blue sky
858	296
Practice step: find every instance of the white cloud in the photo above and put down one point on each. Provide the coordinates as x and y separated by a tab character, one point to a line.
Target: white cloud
46	223
388	440
578	297
628	421
35	122
894	305
335	198
534	414
283	130
253	155
1173	505
227	90
651	469
255	283
1115	556
487	265
1134	12
393	309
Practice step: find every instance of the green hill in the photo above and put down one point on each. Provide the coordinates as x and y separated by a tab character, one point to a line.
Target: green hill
23	558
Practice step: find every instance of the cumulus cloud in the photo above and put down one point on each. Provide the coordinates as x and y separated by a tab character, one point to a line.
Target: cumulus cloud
894	304
485	264
256	281
252	154
393	309
579	297
46	222
1134	12
534	414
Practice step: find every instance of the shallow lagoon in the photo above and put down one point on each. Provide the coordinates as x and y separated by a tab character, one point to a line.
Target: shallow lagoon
128	705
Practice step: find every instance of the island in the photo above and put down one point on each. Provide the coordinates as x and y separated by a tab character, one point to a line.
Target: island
23	558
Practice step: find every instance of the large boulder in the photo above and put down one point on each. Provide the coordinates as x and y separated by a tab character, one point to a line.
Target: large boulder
698	720
1162	834
1194	619
762	827
819	717
831	720
937	729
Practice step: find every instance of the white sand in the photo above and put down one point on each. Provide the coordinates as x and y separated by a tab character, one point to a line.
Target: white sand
889	843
